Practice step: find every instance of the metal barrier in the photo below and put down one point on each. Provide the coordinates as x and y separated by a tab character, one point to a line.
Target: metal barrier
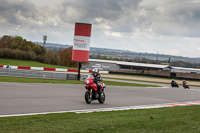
39	74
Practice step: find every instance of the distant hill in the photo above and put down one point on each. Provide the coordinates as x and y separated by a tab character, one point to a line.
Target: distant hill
53	45
114	53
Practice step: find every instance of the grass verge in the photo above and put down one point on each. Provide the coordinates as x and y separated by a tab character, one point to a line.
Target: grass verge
163	120
34	80
148	81
151	77
138	80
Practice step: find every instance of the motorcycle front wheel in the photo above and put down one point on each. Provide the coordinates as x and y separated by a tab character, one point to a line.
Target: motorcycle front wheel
102	97
88	97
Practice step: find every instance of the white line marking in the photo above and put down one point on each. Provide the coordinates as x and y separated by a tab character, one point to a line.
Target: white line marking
188	103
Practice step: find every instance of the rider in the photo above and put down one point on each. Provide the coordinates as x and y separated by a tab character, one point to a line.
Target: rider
173	82
184	83
97	77
8	66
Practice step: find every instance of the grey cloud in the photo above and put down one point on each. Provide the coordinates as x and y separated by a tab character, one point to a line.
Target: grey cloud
10	10
90	9
115	13
120	15
180	18
27	15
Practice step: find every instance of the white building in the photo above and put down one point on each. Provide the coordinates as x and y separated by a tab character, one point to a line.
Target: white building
110	65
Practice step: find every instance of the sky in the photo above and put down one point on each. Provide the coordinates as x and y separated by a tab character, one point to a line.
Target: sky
154	26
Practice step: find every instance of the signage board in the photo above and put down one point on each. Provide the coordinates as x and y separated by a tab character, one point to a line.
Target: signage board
81	47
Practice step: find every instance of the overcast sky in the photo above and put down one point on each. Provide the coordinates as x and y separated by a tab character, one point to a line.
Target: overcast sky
163	26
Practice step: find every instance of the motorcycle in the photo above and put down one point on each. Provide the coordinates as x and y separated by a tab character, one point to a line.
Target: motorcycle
186	86
174	84
93	92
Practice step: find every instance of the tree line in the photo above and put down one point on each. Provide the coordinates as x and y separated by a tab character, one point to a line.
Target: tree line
15	47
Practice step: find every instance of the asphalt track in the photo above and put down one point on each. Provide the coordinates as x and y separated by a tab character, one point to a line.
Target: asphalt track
23	98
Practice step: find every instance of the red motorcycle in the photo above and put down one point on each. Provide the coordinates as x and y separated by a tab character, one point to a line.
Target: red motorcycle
93	92
186	86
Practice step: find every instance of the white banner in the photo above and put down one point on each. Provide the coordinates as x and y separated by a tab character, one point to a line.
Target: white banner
81	43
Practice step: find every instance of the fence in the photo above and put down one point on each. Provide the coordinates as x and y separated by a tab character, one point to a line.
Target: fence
49	69
39	74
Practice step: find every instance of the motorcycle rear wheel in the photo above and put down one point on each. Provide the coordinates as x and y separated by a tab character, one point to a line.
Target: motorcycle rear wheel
88	97
102	97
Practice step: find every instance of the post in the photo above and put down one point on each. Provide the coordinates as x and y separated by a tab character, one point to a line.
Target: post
79	70
157	57
169	61
139	57
44	39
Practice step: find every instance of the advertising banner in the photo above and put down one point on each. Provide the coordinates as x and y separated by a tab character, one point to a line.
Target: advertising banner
81	47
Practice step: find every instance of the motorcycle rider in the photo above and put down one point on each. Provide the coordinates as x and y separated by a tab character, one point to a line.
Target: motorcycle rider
173	82
184	83
8	66
97	77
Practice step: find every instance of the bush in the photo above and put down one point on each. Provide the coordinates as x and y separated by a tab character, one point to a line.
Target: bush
17	54
40	58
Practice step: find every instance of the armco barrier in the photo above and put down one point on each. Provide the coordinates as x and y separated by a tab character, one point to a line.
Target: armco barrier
39	74
50	69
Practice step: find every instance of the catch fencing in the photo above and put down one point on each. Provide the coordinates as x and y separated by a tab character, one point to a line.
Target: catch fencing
39	74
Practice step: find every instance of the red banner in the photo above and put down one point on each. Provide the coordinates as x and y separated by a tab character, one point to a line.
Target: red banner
81	47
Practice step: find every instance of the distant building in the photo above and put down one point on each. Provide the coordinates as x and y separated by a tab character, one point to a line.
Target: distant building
110	65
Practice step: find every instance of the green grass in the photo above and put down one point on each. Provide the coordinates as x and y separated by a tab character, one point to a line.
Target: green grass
140	76
163	120
151	77
34	80
148	81
137	80
14	62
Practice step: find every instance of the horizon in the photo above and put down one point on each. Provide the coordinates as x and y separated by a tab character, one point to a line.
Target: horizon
123	50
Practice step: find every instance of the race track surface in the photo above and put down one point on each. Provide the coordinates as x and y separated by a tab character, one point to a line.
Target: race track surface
22	98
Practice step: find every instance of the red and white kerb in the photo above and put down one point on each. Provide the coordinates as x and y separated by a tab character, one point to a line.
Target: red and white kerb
81	47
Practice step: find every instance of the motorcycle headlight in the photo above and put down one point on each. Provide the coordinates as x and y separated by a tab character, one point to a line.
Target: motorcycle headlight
104	85
87	81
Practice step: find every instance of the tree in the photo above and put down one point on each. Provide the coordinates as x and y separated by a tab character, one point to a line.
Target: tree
51	57
39	50
18	48
66	58
6	41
